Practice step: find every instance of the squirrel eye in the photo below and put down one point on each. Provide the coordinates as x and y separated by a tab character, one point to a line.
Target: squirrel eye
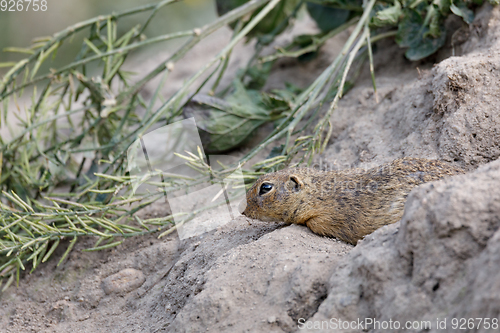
264	188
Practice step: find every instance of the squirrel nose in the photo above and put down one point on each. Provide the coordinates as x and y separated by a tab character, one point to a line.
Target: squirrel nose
242	206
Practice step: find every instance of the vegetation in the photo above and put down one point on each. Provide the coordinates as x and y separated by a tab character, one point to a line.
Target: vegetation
47	195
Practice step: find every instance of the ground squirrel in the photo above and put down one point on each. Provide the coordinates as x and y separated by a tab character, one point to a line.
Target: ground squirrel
345	204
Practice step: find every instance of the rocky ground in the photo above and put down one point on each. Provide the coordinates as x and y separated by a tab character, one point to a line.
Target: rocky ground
437	267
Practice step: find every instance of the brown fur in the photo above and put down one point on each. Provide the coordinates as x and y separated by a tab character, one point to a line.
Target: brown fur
344	204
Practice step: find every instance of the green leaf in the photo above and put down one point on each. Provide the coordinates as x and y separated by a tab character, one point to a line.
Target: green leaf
18	50
435	27
426	46
276	151
460	9
279	99
10	72
7	64
103	247
388	16
225	6
269	23
421	40
256	76
409	29
225	124
443	5
327	18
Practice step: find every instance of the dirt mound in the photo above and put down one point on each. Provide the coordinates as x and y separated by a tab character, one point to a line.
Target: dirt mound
448	111
440	263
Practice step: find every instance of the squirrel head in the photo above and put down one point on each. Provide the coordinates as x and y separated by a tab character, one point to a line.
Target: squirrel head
275	196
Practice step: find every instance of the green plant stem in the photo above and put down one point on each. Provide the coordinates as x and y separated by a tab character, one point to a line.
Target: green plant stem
318	42
101	55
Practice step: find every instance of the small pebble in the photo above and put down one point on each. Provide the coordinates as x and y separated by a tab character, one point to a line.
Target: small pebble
123	282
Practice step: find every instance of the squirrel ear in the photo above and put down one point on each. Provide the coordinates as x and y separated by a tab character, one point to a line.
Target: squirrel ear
294	183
